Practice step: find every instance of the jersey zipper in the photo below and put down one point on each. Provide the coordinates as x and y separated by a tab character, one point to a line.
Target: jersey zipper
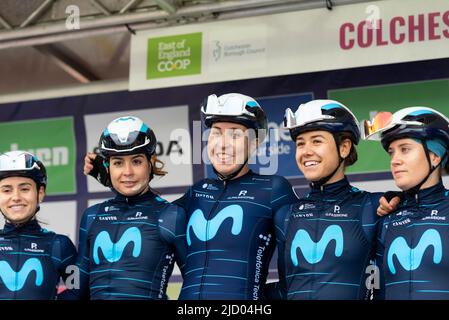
114	244
317	224
17	268
412	243
206	262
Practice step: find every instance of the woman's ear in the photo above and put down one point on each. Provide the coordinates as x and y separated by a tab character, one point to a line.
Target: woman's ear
41	194
434	159
345	148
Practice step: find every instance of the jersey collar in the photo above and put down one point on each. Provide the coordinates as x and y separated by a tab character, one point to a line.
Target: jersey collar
331	189
430	195
31	226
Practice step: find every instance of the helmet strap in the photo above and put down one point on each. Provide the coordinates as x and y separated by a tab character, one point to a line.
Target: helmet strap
151	171
38	207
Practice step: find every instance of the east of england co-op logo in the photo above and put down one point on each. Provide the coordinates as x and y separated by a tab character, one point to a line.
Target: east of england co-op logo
173	56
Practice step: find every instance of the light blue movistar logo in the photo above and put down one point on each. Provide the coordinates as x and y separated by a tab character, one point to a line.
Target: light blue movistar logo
207	229
113	251
313	251
410	259
15	281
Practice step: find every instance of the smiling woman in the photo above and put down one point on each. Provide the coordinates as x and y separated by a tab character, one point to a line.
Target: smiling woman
20	198
312	155
110	268
130	175
326	133
227	146
230	215
23	180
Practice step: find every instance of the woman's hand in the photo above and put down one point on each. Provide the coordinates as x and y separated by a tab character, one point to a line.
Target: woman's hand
389	202
88	162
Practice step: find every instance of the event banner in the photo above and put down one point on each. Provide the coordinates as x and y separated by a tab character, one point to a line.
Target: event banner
52	140
356	35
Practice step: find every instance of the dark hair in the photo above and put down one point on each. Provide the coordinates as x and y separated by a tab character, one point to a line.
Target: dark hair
156	170
352	157
157	166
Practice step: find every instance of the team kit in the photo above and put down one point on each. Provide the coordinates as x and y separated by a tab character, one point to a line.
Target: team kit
335	243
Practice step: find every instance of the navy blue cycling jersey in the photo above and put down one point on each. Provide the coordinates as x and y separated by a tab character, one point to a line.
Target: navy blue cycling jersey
230	235
413	250
128	246
32	261
325	243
